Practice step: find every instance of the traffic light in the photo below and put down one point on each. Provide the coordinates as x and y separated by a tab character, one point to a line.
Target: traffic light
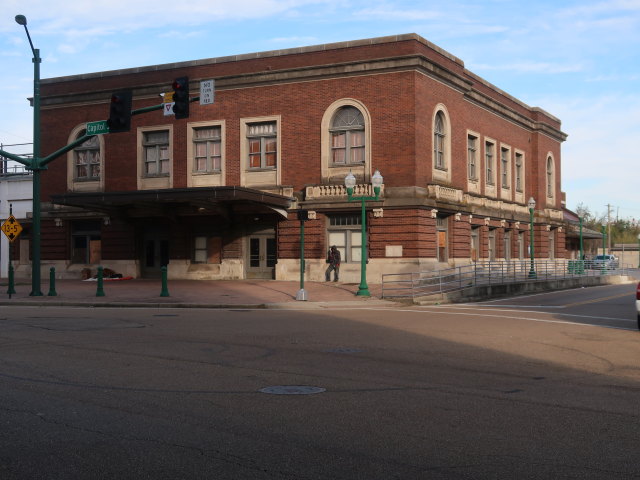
120	112
181	97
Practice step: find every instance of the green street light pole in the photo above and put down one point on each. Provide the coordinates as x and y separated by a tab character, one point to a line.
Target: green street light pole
581	243
35	166
532	270
604	239
350	182
639	250
581	260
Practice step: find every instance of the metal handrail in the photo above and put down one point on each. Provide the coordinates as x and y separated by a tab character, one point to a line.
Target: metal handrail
481	273
14	170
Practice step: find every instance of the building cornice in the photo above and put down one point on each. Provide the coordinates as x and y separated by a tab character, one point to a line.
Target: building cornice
450	72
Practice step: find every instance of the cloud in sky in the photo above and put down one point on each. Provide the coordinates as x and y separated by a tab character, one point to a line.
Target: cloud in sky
577	59
108	17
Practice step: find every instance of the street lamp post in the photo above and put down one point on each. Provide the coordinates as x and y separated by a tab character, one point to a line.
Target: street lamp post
350	182
37	163
303	215
531	205
581	260
639	250
35	166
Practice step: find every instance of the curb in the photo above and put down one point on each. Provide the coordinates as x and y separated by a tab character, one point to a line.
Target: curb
222	306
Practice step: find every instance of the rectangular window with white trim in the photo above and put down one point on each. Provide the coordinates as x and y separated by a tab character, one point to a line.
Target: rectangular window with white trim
207	143
262	141
156	153
344	231
489	154
472	156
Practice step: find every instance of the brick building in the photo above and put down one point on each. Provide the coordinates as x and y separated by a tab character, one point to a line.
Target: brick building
215	195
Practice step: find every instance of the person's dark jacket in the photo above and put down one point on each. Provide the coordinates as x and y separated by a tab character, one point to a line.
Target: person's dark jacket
334	257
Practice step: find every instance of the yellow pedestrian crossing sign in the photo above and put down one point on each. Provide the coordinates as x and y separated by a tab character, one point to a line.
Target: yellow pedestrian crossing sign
11	228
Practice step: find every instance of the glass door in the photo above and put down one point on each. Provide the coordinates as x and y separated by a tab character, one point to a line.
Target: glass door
261	256
155	253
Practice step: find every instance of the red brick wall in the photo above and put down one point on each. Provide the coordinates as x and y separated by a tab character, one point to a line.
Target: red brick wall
561	244
54	241
461	243
118	241
413	229
388	98
314	238
401	104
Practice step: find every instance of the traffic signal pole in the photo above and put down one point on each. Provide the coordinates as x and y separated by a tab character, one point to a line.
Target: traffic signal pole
35	166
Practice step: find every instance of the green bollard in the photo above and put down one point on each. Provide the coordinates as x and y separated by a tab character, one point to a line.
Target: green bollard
12	285
165	291
52	282
100	291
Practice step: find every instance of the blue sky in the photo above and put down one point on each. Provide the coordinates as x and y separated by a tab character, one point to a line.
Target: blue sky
578	60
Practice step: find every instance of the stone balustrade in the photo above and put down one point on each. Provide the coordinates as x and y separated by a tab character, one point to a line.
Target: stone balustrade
318	192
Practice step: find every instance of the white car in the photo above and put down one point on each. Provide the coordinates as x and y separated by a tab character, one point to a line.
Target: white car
610	262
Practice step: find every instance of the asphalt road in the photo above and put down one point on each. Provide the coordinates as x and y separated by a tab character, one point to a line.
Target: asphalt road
610	305
460	392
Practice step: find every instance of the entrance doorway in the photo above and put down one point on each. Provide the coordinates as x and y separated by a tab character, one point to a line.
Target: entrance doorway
442	239
261	256
155	253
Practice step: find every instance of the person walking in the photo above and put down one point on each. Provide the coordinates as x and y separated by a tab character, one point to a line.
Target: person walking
333	259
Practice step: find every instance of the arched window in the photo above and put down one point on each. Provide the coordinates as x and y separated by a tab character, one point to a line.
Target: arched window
550	179
441	150
85	163
347	137
439	137
87	159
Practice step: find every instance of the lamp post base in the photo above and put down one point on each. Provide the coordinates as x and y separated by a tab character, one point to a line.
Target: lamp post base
363	291
301	295
532	274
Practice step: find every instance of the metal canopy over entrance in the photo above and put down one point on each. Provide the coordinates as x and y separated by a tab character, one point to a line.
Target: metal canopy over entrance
188	225
173	202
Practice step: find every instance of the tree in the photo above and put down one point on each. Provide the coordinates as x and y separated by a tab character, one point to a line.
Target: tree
622	230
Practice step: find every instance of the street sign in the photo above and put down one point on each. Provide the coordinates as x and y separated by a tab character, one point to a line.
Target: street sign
167	104
168	109
11	228
207	92
97	128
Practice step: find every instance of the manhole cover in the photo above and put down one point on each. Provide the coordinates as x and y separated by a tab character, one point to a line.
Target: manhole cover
292	390
345	350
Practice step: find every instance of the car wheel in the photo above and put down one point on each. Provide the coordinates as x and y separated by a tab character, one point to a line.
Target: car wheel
638	321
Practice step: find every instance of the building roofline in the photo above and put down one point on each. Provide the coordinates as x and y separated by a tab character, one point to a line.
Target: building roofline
258	55
490	85
463	74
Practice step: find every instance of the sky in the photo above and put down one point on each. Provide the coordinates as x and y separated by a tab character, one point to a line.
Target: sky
578	60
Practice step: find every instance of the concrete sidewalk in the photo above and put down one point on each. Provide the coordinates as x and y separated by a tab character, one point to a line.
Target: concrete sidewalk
194	294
